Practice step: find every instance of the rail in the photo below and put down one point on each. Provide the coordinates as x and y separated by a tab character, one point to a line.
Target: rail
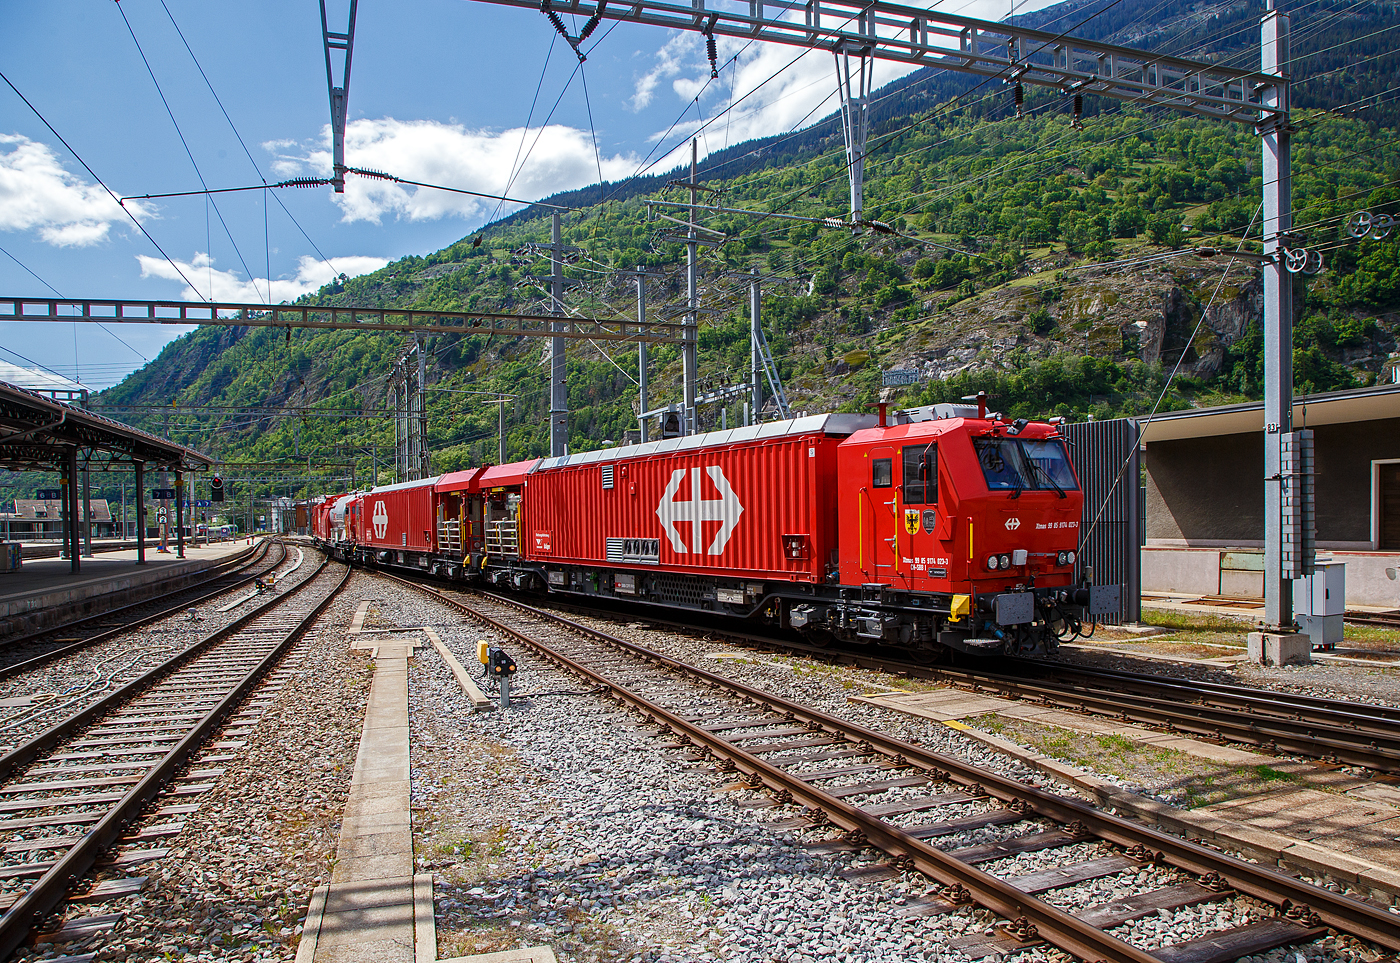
52	887
1301	905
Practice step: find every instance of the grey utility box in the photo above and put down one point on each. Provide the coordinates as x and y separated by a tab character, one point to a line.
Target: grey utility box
1319	602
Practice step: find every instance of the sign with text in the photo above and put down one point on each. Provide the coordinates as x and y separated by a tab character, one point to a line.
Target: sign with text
48	494
159	493
895	377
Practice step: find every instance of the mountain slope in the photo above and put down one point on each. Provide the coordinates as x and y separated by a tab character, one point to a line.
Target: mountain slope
1028	262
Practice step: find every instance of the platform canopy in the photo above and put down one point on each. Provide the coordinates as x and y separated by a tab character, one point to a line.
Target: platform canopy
1376	403
36	433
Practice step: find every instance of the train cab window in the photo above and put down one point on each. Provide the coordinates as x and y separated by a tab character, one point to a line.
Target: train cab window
1025	464
921	474
882	473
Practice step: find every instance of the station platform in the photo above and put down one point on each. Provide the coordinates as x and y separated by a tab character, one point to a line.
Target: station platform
44	591
1242	608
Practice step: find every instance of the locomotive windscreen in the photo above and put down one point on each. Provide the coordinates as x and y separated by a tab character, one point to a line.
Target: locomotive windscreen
1024	464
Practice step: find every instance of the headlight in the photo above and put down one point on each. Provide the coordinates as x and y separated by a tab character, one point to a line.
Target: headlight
1070	557
1062	558
993	562
1006	561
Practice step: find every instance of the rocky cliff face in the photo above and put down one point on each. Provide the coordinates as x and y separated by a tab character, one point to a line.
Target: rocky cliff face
1179	327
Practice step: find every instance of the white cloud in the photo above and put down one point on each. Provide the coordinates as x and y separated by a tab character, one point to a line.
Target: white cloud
777	88
37	193
213	284
774	93
560	158
671	59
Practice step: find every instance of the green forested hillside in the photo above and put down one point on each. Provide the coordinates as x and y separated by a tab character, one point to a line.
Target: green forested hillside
1028	258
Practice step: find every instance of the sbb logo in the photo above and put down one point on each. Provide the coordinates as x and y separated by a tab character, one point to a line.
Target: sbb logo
381	520
697	511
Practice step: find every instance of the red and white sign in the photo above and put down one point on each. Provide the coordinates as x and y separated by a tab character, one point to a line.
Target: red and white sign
542	543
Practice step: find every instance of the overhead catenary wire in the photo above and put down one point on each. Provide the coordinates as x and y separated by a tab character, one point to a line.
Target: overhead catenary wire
139	226
189	153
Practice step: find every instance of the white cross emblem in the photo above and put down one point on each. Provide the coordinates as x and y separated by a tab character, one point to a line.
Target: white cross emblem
725	510
381	520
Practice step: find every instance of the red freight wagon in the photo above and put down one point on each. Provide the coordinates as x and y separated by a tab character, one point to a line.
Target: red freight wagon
321	517
476	509
399	517
757	502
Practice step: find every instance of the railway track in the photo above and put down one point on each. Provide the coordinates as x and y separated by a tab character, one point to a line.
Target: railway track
839	772
1382	620
67	794
24	653
1341	733
1274	721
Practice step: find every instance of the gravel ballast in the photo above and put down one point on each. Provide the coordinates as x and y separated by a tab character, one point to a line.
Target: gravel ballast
238	878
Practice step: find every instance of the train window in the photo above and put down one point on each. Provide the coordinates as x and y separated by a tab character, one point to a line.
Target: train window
1049	464
882	473
1014	464
921	474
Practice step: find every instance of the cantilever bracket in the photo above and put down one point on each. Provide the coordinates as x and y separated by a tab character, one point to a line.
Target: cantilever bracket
339	93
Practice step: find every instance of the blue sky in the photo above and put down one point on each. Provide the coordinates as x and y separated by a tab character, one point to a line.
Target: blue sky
440	92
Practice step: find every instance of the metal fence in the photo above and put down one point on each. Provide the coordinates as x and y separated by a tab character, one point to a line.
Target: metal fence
1105	454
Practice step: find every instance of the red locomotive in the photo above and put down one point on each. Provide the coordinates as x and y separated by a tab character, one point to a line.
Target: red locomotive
943	528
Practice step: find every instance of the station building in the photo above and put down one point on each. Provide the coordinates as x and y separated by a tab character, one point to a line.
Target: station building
34	518
1204	498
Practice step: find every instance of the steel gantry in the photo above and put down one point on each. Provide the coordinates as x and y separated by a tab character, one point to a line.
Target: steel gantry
338	318
1016	55
338	46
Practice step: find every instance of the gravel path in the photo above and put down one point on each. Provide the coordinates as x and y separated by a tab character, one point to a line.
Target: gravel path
239	876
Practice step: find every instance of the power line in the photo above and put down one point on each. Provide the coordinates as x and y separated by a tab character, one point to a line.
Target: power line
246	151
101	183
190	154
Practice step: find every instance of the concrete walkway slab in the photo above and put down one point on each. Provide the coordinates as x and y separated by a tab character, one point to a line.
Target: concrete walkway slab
948	705
530	954
373	905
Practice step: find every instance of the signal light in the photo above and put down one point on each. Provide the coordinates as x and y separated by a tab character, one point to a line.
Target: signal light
216	489
1006	561
993	562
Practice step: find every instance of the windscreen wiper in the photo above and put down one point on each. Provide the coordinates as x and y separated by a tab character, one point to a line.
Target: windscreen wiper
1035	466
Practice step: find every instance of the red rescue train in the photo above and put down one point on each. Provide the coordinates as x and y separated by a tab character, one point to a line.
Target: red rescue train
941	528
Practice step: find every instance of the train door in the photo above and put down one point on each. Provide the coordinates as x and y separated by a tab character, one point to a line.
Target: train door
882	507
920	555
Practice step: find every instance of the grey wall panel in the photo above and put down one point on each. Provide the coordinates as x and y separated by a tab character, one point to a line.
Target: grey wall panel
1211	489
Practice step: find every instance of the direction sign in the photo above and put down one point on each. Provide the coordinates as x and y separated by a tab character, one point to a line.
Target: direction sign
48	494
159	493
895	377
202	503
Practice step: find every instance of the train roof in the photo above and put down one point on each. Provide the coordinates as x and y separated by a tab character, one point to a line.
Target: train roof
506	476
829	424
428	482
457	481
